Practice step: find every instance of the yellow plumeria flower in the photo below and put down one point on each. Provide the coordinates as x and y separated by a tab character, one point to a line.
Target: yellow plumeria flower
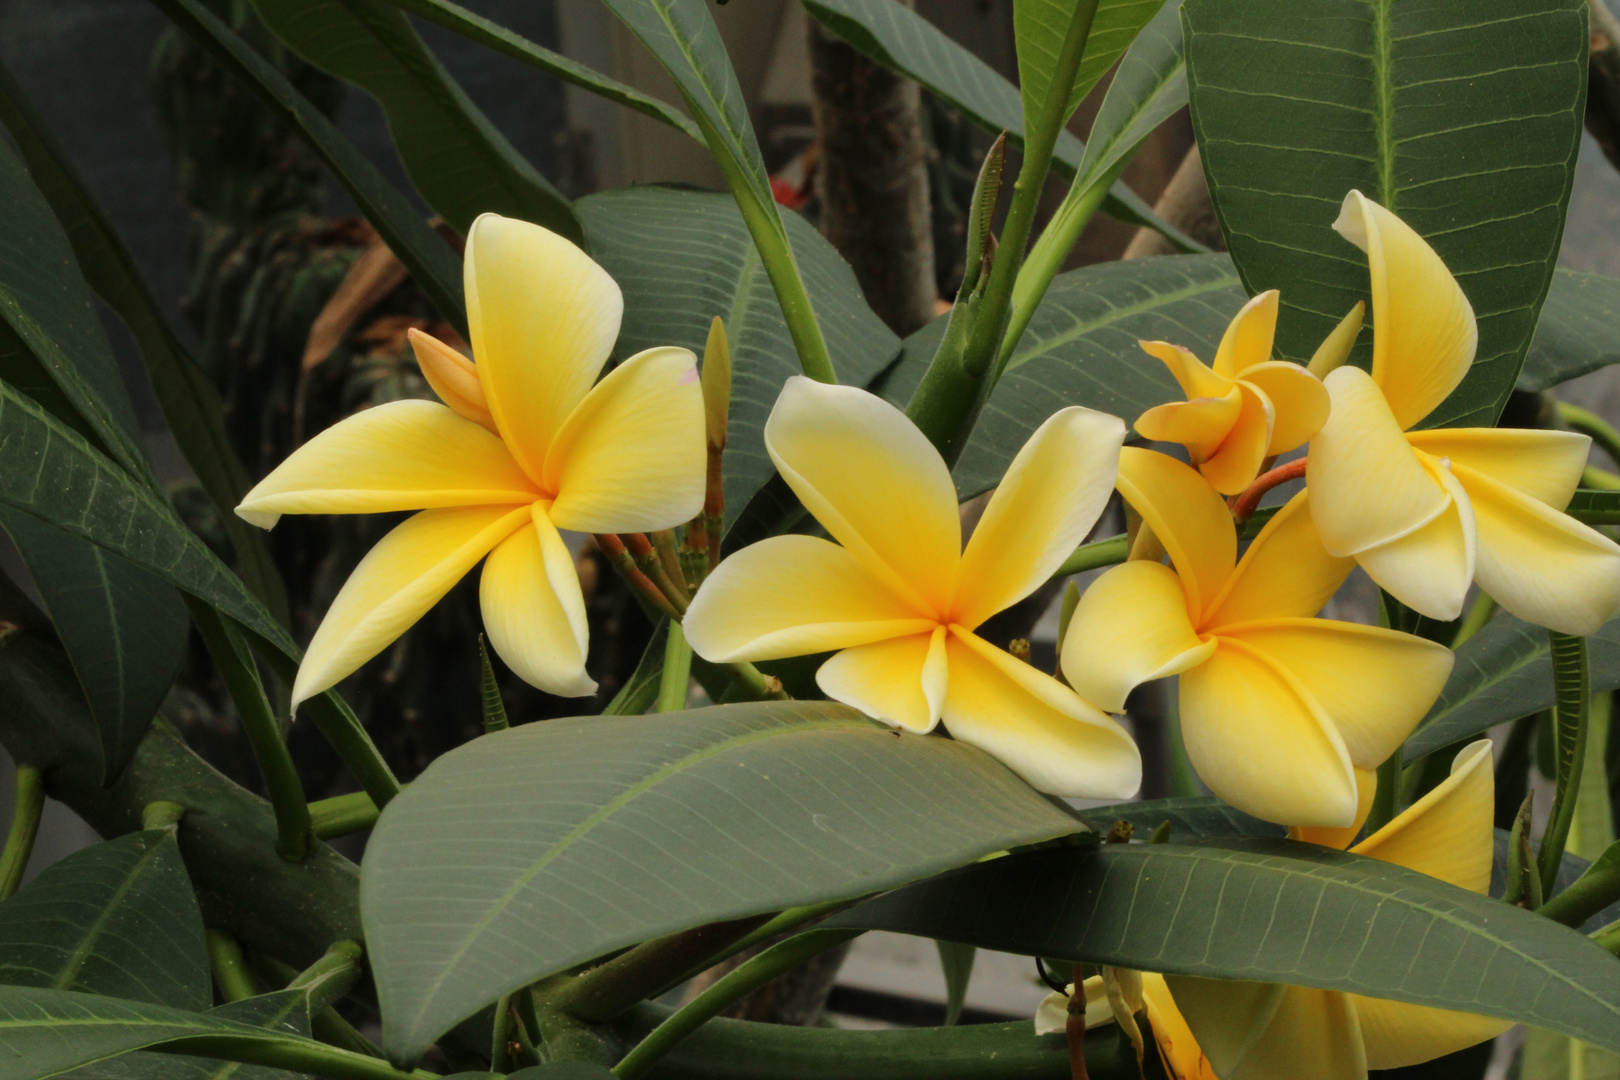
1178	1050
1269	1031
899	596
525	445
1426	512
1278	709
1245	408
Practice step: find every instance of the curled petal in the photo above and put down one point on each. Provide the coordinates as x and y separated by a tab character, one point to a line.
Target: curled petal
1201	424
791	596
1285	572
1187	516
1052	495
1545	465
1396	1034
1195	379
1429	570
1339	839
1228	1017
1035	725
453	377
1130	626
901	681
537	627
1237	462
1248	336
1449	833
1183	1058
1299	403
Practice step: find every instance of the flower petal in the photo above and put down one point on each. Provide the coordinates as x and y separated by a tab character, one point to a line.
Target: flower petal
396	583
1335	348
1187	516
1036	726
1262	743
1262	1031
1237	462
1429	570
1545	465
1396	1034
1449	833
1130	626
1541	564
1191	374
1201	424
901	681
1248	336
1367	486
1051	496
537	627
404	455
791	596
1183	1058
1374	684
453	377
1424	334
1285	572
543	318
1299	403
631	457
874	481
1339	839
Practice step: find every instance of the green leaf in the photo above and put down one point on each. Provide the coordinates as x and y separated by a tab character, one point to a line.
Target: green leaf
1197	818
1594	506
284	1011
1149	88
124	629
1461	116
431	262
531	850
458	160
682	257
956	962
1576	332
1040	26
117	919
1273	911
564	1070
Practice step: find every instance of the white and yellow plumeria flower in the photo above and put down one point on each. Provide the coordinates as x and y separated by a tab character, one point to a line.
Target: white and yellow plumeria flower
1426	512
1178	1050
1268	1031
899	596
1243	409
1278	709
525	445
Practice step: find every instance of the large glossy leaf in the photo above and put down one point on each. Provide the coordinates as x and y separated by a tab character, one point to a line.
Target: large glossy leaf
431	262
683	257
284	1011
1039	29
1577	332
1275	911
1149	88
458	160
117	919
525	852
1462	116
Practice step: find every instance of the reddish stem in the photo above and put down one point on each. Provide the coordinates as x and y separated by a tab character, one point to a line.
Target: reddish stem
1244	505
625	564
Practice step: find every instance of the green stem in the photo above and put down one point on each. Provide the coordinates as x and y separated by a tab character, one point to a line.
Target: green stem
24	828
501	1035
330	977
1096	554
1051	250
343	731
326	1025
293	1055
343	814
677	674
730	988
1591	424
1591	893
1609	937
1571	689
790	919
1475	619
230	967
751	683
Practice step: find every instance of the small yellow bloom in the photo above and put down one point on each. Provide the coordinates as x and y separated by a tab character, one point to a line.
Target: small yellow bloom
1269	1031
1178	1050
523	446
1278	709
1245	408
899	596
1426	512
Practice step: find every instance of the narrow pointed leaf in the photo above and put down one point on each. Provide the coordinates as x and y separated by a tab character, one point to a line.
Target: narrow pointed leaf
1149	88
1576	331
1040	26
284	1011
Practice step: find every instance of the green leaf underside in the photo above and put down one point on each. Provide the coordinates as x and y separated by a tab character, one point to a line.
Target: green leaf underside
1576	332
526	852
284	1011
1149	87
117	919
683	257
1462	117
1274	911
462	165
1040	26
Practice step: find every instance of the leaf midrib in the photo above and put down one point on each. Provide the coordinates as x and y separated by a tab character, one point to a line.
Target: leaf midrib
82	952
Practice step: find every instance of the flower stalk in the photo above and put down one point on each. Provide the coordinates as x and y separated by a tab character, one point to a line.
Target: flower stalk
1572	703
677	673
1244	505
30	806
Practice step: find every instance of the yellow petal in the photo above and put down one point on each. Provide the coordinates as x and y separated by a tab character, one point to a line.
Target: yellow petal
1299	403
1052	495
874	481
1248	337
1449	833
1201	425
1195	379
1262	743
1052	1014
1367	485
1335	348
1183	1058
1315	1026
452	376
1186	515
1424	333
1285	572
396	583
1541	564
1396	1034
1374	684
536	627
1545	465
405	455
1429	570
543	318
1130	626
1237	462
901	681
1036	726
631	457
791	596
1339	839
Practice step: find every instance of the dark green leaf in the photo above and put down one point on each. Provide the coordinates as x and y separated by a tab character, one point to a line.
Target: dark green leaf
564	1070
956	962
640	690
124	629
117	919
283	1011
1577	331
682	257
458	160
1039	28
1274	911
1149	88
1595	507
1461	116
525	852
1199	818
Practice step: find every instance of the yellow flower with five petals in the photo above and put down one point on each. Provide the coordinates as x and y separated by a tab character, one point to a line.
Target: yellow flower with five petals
524	446
900	598
1278	709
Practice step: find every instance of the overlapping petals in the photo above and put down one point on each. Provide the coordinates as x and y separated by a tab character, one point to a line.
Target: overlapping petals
899	597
